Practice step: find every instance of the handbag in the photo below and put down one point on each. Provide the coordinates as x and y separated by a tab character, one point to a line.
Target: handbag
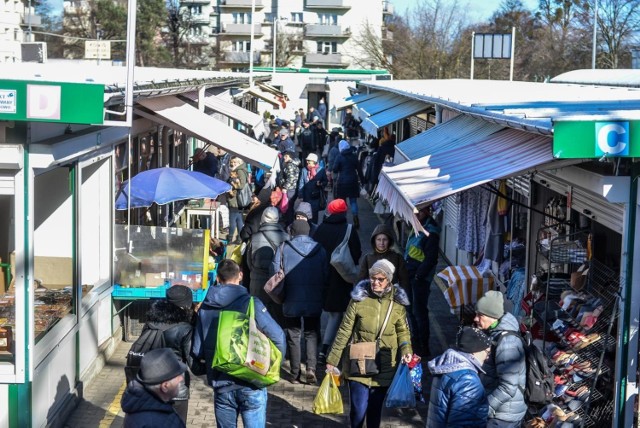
363	356
243	351
274	286
243	196
342	261
322	203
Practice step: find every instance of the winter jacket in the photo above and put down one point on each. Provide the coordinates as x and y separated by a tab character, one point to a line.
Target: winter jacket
306	140
505	370
252	220
228	297
286	145
349	175
457	395
400	275
208	165
261	252
177	336
309	190
237	185
363	320
290	175
332	156
306	277
429	246
330	234
145	410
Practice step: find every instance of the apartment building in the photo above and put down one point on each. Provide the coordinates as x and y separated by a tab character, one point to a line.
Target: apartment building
307	33
17	19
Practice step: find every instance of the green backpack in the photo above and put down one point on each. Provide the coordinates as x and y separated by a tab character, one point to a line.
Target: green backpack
243	351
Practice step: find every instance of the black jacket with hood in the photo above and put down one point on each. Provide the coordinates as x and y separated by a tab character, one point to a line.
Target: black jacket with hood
145	410
400	275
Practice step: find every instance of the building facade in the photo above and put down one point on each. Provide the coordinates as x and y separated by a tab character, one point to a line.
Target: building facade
17	19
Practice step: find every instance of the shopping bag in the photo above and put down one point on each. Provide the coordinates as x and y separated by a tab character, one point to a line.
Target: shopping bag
241	354
328	399
342	261
236	254
274	287
400	393
284	202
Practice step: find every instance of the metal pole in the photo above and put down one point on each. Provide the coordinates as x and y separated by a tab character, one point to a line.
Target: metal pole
131	60
253	11
513	51
473	39
275	36
595	35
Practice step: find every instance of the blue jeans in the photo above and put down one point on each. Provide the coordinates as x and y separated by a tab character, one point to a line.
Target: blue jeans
235	222
366	404
250	403
354	205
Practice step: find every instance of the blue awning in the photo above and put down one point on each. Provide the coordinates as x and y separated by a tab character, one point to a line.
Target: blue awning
384	118
358	98
379	104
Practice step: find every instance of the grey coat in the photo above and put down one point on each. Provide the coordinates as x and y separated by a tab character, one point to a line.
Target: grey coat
505	370
262	250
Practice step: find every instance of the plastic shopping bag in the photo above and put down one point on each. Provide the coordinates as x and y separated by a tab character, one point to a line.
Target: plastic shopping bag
416	377
328	399
400	393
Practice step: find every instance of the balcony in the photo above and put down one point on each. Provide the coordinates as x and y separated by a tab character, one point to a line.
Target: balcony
33	20
324	60
387	8
331	31
207	2
240	4
387	35
328	4
200	18
196	40
241	29
240	57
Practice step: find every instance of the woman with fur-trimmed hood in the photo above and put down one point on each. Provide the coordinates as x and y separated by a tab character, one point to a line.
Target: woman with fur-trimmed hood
370	301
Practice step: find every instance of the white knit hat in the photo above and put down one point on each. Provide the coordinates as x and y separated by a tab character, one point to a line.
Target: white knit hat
384	267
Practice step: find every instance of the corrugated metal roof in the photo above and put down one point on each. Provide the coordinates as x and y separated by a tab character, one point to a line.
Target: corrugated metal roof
231	110
373	123
358	98
505	153
525	105
629	78
457	132
378	104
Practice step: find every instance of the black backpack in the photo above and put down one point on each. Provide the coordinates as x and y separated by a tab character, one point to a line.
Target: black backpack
152	337
539	378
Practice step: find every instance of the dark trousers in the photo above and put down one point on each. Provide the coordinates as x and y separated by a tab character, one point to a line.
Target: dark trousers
419	311
497	423
294	329
366	404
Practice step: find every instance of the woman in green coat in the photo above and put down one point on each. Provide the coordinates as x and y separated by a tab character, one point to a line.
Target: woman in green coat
370	300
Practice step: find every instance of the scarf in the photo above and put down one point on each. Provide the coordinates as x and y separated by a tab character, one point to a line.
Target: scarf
313	170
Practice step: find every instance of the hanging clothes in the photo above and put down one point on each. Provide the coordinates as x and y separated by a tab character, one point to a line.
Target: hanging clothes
495	228
472	214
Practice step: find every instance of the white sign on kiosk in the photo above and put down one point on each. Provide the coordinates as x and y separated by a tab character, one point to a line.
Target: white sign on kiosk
97	49
8	100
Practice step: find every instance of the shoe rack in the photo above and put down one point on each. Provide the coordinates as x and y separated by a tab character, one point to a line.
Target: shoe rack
573	307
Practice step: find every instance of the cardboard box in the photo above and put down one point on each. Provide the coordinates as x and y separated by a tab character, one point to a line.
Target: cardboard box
153	279
53	272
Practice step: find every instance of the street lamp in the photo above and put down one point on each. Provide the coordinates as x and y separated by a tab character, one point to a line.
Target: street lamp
595	35
275	38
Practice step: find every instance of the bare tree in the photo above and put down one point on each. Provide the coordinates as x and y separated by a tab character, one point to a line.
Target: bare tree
289	46
186	52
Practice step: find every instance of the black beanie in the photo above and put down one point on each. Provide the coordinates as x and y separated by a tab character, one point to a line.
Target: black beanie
180	295
300	227
472	339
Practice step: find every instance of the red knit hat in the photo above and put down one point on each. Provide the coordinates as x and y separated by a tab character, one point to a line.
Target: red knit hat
337	206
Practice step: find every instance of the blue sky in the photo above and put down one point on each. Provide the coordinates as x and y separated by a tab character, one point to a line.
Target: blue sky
478	9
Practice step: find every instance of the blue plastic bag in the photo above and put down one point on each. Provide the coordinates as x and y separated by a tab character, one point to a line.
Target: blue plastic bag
416	379
400	393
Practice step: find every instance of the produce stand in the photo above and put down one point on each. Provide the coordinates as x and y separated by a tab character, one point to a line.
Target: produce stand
150	259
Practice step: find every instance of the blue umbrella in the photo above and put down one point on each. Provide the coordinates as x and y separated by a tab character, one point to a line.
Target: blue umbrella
164	185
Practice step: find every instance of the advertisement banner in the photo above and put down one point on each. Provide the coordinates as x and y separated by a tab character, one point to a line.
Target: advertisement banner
596	139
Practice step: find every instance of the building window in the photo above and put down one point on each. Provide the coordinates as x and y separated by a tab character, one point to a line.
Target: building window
327	19
196	10
241	46
296	17
241	18
328	47
269	16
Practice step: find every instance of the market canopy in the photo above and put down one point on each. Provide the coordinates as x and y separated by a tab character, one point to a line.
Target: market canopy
384	118
267	93
459	131
178	114
414	184
358	98
233	111
378	104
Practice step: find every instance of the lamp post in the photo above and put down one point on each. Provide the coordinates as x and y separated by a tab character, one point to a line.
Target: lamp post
253	11
595	35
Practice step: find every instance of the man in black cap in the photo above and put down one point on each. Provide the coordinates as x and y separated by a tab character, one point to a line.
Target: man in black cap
457	395
147	399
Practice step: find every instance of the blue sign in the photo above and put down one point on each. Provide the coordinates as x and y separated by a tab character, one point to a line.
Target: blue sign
612	139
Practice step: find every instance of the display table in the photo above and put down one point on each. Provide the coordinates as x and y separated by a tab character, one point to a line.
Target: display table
462	285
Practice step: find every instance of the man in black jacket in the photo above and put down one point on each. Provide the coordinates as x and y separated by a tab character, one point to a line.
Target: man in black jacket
147	400
421	256
205	162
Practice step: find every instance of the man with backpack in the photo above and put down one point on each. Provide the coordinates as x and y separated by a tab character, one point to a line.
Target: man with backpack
232	396
506	368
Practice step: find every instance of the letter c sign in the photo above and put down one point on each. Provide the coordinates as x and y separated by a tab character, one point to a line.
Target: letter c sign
612	138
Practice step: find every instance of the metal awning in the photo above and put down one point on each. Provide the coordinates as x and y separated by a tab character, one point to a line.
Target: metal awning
377	121
460	130
414	184
358	98
178	114
235	112
379	104
267	93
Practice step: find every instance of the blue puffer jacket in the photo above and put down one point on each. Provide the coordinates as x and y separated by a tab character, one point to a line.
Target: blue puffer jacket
228	298
145	410
457	395
506	370
306	276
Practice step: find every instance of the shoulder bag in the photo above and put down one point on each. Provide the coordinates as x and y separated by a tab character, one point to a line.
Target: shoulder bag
363	356
342	261
274	286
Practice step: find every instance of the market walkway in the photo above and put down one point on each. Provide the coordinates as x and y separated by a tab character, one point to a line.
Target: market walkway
288	406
